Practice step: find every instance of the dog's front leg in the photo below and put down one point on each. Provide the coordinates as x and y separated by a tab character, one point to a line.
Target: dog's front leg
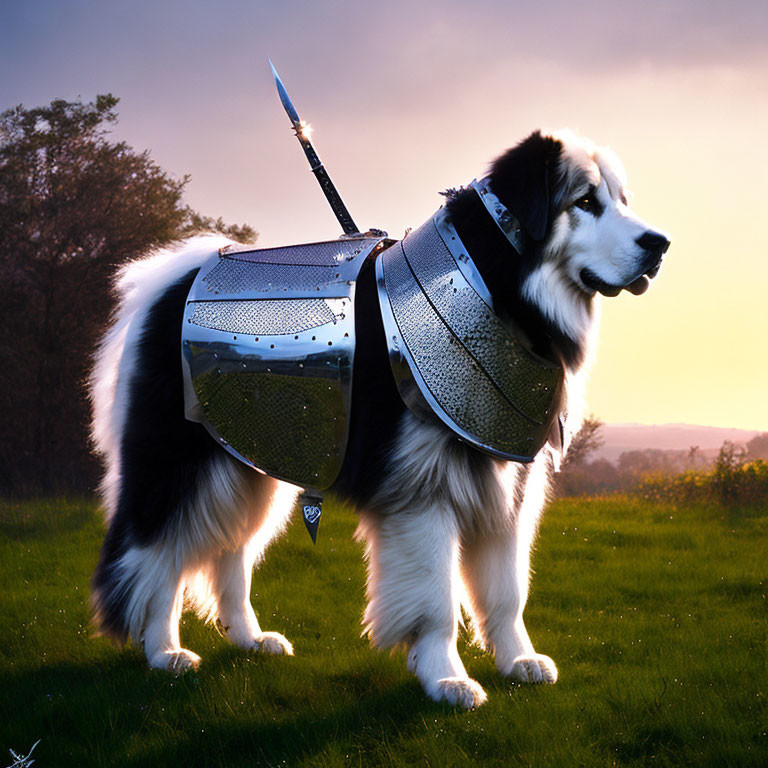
495	571
413	594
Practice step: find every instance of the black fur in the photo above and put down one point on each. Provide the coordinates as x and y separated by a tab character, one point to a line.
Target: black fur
525	179
161	453
376	405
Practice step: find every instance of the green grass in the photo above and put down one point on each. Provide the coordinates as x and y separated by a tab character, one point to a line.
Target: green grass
655	615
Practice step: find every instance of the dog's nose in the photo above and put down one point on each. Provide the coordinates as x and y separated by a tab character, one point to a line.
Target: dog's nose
653	242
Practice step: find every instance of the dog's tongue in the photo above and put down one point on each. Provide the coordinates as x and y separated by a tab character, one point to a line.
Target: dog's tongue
639	286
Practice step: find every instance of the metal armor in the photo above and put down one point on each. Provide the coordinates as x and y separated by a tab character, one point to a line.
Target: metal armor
268	344
268	349
451	352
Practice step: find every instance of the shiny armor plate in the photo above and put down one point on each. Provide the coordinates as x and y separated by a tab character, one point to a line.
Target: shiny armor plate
451	352
268	344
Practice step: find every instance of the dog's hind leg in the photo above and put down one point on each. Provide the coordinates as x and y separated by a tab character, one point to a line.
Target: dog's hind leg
495	569
413	593
232	585
139	593
271	504
162	645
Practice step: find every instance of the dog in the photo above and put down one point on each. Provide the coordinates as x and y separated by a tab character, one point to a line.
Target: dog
443	523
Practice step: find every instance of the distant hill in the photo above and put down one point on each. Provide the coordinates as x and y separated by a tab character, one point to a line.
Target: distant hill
637	437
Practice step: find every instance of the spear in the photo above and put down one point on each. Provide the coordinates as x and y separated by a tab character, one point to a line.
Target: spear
303	130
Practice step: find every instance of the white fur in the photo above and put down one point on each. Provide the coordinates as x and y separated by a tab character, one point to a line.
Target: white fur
606	244
448	525
209	563
552	291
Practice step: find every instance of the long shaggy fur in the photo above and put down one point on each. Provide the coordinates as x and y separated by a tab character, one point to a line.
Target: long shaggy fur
443	524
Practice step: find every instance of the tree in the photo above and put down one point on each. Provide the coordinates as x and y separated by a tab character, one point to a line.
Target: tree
757	447
585	442
73	206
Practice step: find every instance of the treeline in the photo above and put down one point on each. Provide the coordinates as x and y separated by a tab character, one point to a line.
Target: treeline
74	206
731	481
737	473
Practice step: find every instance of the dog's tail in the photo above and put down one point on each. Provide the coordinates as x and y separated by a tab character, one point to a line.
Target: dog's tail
137	287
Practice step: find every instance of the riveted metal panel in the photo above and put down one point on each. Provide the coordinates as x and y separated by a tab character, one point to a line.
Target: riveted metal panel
444	337
267	355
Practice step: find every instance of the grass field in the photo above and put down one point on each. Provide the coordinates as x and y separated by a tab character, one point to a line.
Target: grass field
655	615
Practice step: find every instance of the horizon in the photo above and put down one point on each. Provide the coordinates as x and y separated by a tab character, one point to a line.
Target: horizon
410	102
678	424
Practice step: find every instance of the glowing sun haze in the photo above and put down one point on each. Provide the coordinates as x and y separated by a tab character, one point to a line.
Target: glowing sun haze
408	99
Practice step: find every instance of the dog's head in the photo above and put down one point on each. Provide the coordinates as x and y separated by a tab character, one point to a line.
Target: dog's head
570	199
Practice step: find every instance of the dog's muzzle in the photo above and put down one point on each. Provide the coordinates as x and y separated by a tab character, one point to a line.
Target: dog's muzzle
655	246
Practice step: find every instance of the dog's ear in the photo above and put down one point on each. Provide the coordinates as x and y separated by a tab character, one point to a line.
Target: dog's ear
520	178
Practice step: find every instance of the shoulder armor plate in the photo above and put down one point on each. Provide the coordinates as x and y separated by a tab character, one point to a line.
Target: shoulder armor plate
450	351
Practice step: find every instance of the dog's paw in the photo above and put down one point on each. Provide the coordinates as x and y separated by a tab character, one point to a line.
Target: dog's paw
272	642
177	661
460	691
533	668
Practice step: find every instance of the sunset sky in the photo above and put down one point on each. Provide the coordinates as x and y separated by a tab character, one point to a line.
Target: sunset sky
408	98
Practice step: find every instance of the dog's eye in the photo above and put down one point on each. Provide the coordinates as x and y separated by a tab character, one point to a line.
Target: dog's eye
587	203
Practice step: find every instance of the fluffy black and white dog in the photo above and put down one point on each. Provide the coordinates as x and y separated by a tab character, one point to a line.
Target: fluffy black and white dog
443	523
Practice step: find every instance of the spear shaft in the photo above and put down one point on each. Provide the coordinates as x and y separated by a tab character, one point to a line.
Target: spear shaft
301	129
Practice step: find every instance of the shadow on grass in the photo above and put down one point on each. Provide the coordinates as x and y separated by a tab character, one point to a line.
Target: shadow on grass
119	713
